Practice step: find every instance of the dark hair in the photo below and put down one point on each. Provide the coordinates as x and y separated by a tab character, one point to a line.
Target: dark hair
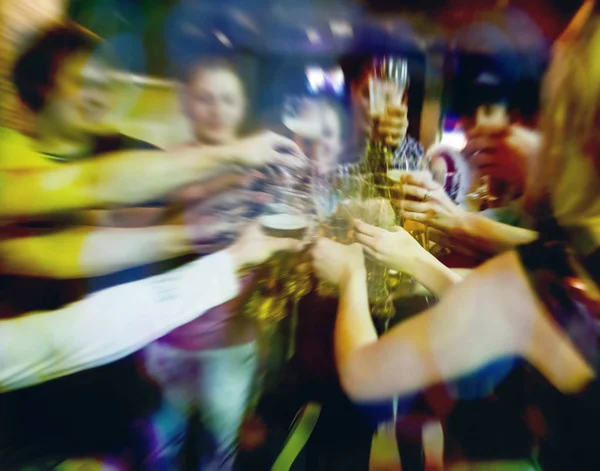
35	71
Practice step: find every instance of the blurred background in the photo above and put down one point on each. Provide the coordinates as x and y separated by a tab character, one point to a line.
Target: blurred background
271	41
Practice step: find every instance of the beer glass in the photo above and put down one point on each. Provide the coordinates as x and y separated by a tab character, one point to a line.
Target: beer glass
388	83
302	116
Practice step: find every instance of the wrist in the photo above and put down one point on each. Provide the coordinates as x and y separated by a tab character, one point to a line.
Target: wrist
466	224
353	272
176	241
236	256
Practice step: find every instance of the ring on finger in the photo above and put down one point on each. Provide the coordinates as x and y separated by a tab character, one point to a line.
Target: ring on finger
427	196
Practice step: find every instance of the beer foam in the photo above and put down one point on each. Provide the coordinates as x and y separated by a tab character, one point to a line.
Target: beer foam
285	221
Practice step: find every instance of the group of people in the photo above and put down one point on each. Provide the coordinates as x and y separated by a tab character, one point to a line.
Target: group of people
114	330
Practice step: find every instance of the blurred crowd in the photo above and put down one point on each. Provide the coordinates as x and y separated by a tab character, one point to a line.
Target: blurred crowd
126	269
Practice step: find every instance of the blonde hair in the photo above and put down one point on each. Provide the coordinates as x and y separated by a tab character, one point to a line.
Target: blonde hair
564	178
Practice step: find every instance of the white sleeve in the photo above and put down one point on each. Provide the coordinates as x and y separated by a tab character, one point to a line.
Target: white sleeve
111	324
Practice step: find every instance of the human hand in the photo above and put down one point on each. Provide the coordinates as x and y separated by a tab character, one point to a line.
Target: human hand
394	125
505	154
395	248
429	203
334	262
268	148
254	247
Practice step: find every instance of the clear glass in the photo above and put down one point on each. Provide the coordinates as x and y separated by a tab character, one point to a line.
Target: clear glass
388	83
303	117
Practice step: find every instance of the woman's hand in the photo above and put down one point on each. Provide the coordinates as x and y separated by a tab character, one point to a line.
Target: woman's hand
505	154
254	247
433	207
335	263
268	148
396	248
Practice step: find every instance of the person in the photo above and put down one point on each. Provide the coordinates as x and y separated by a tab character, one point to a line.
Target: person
506	153
209	365
333	141
550	319
394	126
47	183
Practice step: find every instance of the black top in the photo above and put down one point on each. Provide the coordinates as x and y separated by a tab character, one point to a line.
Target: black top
567	425
101	410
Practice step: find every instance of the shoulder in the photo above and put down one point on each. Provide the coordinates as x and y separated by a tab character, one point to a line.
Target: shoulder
18	153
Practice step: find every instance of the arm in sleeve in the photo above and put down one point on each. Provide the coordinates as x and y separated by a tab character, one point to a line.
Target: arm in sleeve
85	252
112	323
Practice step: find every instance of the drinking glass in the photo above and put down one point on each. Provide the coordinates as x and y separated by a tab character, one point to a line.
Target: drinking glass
303	117
388	83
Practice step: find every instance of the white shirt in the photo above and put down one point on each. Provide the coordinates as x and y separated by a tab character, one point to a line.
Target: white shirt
110	324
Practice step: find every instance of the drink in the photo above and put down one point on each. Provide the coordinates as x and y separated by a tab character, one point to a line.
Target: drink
302	117
397	194
338	228
285	225
305	128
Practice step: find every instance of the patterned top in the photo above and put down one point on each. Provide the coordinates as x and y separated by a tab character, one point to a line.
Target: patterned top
409	149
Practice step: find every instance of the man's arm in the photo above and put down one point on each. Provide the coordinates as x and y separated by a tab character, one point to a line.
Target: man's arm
112	323
85	252
119	178
131	177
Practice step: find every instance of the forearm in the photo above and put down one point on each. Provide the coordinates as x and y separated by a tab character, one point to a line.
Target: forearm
112	323
433	274
86	252
120	178
353	327
491	236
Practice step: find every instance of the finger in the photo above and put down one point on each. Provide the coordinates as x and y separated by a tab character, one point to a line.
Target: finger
371	253
365	240
419	179
479	145
365	228
418	217
493	132
417	192
397	111
393	141
415	206
287	160
283	144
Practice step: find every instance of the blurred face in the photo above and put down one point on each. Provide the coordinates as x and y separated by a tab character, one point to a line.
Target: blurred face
79	101
486	118
330	145
215	104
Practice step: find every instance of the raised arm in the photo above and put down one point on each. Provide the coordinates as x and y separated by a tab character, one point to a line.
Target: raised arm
126	178
476	324
430	205
117	321
85	252
398	250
